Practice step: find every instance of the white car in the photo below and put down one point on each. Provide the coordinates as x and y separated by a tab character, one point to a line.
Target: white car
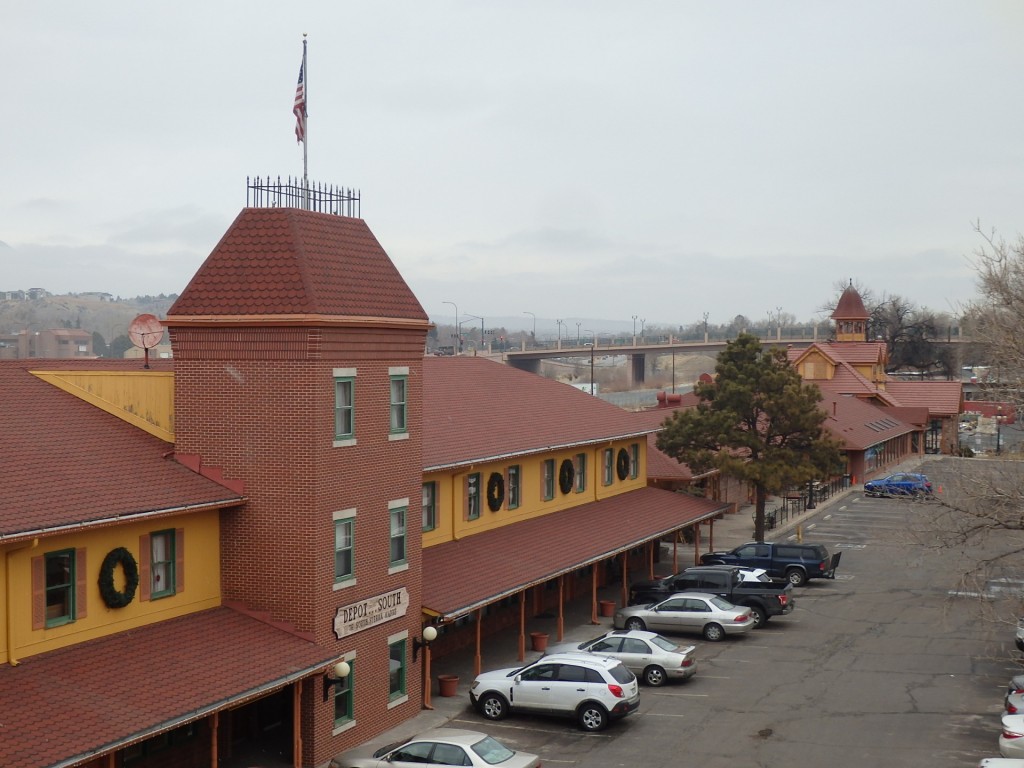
593	689
1001	762
440	746
1019	639
1011	740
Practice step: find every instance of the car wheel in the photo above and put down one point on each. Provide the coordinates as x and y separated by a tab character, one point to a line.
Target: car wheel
713	633
759	617
493	706
796	577
634	623
654	676
592	717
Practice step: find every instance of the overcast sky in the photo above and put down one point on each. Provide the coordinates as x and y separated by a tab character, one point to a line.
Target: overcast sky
570	159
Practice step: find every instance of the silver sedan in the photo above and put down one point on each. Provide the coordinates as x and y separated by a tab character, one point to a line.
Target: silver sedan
648	655
710	615
441	746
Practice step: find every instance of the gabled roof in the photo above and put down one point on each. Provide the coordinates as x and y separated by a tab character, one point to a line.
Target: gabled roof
853	352
290	263
171	673
661	466
849	381
469	421
941	398
67	463
548	546
850	306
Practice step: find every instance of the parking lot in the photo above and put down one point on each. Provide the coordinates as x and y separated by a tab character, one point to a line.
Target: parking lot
879	667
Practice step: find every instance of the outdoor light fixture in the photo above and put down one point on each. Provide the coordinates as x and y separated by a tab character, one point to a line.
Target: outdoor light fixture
341	671
429	636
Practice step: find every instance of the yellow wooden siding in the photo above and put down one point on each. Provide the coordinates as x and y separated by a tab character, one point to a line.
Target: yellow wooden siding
144	399
202	584
451	490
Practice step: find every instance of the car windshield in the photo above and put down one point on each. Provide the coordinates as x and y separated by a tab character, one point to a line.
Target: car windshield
587	643
389	748
492	751
722	603
664	643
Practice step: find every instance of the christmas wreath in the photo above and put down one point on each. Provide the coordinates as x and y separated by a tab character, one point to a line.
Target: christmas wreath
495	491
566	475
111	596
622	464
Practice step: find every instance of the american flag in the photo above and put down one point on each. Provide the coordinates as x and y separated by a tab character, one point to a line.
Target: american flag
300	105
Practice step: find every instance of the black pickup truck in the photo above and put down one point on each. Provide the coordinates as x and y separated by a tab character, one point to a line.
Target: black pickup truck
764	598
795	562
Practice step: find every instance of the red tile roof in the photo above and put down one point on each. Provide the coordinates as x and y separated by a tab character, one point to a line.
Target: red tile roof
857	424
66	462
850	306
470	421
286	261
130	686
853	352
661	466
460	576
941	398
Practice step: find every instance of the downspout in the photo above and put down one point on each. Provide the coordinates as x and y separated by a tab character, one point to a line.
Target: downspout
10	599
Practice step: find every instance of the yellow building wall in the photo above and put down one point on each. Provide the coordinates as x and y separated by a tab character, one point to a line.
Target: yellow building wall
202	584
451	490
816	367
143	398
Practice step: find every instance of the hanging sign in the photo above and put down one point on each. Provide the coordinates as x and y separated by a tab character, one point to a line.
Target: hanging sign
370	612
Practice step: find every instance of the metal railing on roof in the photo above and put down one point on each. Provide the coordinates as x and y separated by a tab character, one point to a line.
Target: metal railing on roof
296	193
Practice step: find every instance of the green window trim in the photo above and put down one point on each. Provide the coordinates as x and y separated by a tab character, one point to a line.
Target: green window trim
547	478
344	549
344	697
514	481
399	404
397	540
634	460
580	466
397	670
344	407
607	466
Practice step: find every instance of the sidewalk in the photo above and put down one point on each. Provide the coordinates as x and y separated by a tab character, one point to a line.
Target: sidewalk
501	650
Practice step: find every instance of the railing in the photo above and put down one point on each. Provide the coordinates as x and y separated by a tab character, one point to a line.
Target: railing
297	193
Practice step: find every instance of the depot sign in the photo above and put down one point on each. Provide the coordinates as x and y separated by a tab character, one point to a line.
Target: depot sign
370	612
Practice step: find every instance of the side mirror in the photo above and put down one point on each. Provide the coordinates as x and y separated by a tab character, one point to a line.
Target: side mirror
517	679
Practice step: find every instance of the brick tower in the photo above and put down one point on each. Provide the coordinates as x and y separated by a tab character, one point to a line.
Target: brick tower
298	353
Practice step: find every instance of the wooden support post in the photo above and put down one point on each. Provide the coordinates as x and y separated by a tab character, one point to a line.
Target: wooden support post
650	558
696	545
427	685
675	550
593	594
522	625
561	606
625	579
214	728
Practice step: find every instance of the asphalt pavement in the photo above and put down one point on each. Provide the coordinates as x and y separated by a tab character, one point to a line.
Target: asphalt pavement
501	650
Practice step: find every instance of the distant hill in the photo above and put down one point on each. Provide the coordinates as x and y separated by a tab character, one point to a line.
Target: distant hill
91	312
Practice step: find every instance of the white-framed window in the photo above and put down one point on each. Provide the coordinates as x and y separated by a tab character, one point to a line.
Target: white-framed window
514	483
60	569
399	400
344	548
429	506
607	466
473	496
398	539
547	479
161	564
580	468
344	406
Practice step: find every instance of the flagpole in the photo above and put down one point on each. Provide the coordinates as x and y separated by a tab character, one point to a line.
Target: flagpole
305	139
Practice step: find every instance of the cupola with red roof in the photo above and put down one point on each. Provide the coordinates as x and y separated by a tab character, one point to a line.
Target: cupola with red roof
851	317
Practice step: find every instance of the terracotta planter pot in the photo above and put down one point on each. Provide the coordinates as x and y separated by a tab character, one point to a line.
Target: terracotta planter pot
607	607
539	640
448	685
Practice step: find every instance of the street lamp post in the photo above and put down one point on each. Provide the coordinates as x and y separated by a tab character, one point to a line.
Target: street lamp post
705	327
473	317
643	322
458	330
593	343
534	335
578	333
634	329
560	324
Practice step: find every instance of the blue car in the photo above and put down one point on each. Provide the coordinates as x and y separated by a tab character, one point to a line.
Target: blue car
899	484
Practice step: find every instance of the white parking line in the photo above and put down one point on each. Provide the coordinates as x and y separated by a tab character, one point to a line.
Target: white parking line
649	692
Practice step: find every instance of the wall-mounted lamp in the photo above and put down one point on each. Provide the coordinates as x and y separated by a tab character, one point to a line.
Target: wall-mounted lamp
429	636
340	672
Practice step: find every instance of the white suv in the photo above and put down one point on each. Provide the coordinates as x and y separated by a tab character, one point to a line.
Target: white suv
593	689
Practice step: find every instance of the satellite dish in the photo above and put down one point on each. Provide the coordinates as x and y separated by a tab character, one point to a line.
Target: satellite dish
146	331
